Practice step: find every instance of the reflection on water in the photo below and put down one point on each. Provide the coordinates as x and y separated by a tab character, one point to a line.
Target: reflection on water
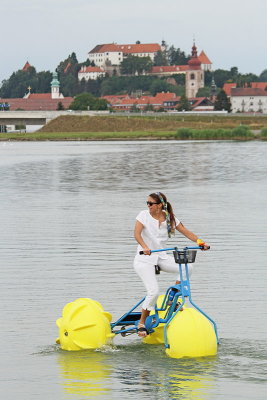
145	372
92	374
85	373
67	214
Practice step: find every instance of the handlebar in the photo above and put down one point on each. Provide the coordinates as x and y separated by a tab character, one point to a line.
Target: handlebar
175	248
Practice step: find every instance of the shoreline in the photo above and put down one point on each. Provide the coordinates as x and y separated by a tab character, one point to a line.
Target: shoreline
114	128
56	138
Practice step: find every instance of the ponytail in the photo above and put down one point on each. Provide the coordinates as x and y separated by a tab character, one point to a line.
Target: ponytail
172	217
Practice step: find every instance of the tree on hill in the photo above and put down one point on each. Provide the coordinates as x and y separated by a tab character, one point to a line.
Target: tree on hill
125	84
91	86
86	101
184	104
222	102
68	66
177	56
60	106
246	79
161	58
221	76
68	75
263	76
18	83
203	92
160	85
234	73
133	65
179	79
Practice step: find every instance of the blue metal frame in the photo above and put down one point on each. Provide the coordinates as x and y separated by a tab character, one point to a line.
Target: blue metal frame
182	289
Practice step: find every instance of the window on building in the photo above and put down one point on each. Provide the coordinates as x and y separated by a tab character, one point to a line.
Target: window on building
192	76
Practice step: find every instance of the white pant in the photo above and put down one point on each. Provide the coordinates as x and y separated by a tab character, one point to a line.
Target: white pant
146	272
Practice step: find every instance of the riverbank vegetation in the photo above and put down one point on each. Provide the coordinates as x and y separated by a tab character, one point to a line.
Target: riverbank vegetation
153	122
128	127
238	133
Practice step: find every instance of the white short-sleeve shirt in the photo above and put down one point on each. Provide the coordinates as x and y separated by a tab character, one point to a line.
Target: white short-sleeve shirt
154	234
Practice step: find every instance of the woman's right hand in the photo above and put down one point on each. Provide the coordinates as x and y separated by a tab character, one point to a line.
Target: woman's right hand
146	251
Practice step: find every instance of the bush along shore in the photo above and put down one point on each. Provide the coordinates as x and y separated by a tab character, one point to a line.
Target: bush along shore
238	133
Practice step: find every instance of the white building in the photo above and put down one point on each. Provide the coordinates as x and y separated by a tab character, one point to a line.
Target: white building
113	54
90	73
249	100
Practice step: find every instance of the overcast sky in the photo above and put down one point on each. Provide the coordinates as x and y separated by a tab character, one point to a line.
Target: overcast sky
45	32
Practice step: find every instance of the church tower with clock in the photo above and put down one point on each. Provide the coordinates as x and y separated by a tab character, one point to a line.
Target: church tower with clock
194	75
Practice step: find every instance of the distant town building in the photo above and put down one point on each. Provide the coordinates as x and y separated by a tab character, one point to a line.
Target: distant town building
114	54
227	87
165	101
90	73
249	100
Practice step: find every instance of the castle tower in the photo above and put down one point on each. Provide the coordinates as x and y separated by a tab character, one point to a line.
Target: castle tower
194	79
55	94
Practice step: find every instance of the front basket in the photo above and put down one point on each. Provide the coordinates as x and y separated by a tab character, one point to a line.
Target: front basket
184	256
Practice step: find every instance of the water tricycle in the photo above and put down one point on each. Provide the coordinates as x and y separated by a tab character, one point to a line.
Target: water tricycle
185	331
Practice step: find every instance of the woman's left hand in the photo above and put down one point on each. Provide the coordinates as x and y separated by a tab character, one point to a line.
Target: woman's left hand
204	246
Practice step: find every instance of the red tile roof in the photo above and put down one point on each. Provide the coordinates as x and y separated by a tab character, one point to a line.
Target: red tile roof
102	48
37	96
228	86
26	66
140	48
37	104
260	85
248	92
126	48
204	58
167	69
112	99
165	96
200	101
157	101
91	69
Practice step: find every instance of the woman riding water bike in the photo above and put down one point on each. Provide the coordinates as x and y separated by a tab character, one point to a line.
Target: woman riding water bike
153	227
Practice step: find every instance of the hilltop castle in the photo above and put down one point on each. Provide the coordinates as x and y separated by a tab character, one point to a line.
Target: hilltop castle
108	57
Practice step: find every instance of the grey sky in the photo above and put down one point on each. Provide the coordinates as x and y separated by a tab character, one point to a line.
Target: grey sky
232	32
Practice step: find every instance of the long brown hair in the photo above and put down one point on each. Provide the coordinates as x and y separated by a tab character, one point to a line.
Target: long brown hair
157	197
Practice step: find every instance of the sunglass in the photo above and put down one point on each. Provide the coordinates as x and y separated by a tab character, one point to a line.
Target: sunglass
150	203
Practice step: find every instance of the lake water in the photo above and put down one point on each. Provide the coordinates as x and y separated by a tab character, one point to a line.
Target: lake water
67	215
